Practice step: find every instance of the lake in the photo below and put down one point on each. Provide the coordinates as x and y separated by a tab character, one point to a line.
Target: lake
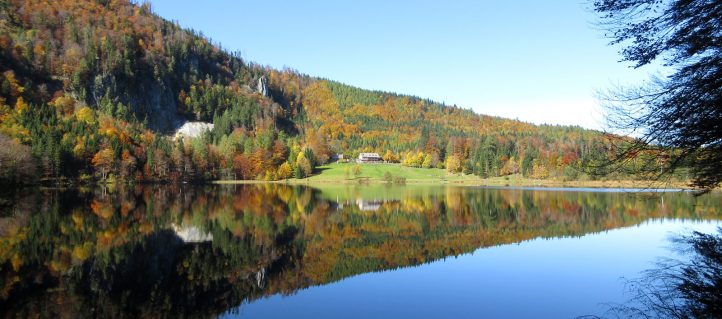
345	251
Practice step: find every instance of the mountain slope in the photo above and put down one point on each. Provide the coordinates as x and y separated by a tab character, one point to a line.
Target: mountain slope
96	88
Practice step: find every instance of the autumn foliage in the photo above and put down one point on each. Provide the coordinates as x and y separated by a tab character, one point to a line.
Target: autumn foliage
96	88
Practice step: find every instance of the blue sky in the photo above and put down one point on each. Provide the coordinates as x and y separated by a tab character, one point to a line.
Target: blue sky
538	61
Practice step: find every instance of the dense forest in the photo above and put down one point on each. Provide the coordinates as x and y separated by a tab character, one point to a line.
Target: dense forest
95	89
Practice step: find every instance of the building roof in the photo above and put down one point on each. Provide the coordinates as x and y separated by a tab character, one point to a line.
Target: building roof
368	155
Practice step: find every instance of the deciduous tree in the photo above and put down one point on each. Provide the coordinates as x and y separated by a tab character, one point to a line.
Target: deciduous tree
103	162
453	164
285	171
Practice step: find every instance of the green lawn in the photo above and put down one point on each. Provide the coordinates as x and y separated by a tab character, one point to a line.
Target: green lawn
337	177
375	172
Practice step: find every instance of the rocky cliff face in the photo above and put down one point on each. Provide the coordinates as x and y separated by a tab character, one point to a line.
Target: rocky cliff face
160	108
150	100
262	86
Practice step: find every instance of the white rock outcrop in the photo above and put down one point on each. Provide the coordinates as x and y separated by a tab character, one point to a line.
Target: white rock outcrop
193	129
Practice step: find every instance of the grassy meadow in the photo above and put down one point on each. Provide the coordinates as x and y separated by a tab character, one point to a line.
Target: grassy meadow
344	172
329	175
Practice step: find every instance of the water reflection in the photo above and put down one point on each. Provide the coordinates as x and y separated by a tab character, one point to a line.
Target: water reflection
185	251
685	287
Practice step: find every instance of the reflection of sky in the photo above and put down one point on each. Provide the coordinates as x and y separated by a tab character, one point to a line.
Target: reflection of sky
542	278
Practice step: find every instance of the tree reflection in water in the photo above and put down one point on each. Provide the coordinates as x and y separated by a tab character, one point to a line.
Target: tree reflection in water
687	287
188	251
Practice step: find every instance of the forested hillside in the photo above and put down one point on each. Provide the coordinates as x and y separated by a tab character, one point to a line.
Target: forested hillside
95	89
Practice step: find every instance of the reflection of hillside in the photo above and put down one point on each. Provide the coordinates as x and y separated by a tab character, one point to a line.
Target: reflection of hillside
148	251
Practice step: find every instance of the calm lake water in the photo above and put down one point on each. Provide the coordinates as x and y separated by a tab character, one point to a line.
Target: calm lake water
274	251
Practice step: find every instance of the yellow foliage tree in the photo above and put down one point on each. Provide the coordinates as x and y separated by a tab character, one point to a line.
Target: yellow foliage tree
285	171
64	104
20	106
453	164
304	165
86	115
79	148
539	170
15	88
428	160
390	157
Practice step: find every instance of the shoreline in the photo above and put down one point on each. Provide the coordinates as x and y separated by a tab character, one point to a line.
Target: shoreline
450	180
489	182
